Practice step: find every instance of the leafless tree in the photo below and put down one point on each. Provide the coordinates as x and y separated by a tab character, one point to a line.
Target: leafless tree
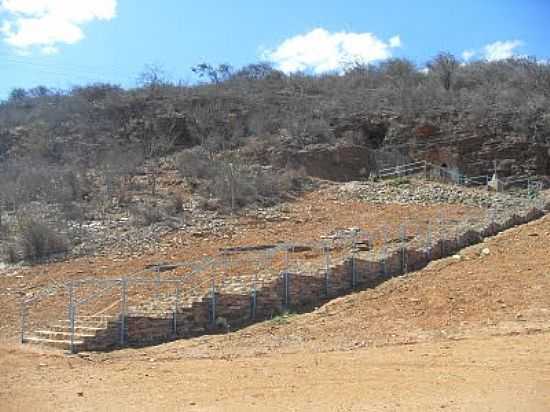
444	66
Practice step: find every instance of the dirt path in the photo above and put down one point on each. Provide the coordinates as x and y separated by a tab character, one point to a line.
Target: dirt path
494	374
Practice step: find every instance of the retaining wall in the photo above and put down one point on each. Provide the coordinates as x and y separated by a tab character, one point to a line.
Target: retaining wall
296	290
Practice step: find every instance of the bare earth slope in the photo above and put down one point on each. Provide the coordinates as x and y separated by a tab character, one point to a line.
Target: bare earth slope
468	333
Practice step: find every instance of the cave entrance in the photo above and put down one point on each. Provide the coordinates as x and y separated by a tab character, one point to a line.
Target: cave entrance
373	135
443	173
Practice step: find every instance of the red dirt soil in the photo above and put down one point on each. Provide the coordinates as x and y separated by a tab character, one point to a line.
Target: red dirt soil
468	333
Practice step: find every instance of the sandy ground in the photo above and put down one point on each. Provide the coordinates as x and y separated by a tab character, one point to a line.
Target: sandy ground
469	333
494	374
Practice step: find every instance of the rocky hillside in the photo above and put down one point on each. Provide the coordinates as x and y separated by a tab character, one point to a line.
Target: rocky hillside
251	137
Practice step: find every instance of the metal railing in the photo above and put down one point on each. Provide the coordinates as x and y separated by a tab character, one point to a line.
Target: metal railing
248	271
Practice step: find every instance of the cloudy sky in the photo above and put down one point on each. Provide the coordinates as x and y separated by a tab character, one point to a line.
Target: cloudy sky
60	43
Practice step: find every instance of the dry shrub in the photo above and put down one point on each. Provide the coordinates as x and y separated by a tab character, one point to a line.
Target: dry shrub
175	206
146	215
10	254
231	187
195	164
38	240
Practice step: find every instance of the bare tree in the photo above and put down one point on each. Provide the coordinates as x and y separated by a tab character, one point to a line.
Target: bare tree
215	75
444	66
152	77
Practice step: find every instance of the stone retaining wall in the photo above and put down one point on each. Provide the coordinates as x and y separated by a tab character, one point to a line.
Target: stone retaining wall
296	290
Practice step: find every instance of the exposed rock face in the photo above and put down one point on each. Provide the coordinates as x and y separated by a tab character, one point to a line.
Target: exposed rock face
456	140
339	163
369	131
477	155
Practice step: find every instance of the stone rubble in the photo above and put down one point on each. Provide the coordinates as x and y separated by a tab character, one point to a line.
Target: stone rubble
410	191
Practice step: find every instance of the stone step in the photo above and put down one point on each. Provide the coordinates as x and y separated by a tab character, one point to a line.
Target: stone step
55	335
97	317
78	328
55	343
84	324
92	322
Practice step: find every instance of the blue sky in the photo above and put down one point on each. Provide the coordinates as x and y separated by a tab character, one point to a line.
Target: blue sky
60	43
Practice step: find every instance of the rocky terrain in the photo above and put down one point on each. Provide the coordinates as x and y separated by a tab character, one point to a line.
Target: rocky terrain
100	167
415	191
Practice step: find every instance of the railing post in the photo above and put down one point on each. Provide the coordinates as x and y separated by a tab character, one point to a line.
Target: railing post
429	240
213	302
353	263
157	294
286	297
253	298
123	310
285	279
176	308
426	177
457	245
403	249
384	251
71	317
492	219
23	319
441	238
326	250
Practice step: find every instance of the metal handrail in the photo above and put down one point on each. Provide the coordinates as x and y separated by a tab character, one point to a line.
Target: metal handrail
212	263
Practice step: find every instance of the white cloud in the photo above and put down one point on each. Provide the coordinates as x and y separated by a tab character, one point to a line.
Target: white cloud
395	41
498	50
48	50
501	49
47	23
322	51
468	54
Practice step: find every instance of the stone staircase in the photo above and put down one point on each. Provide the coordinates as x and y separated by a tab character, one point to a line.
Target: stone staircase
97	332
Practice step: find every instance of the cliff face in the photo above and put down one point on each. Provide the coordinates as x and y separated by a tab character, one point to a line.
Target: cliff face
455	140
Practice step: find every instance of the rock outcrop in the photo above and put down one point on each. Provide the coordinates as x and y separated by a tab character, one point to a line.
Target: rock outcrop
456	140
332	162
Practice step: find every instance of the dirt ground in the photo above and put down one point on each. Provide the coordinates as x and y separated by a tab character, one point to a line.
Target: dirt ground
467	333
509	373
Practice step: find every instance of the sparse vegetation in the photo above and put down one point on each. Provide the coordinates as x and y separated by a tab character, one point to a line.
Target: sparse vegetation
38	240
283	318
234	185
146	215
97	149
399	181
